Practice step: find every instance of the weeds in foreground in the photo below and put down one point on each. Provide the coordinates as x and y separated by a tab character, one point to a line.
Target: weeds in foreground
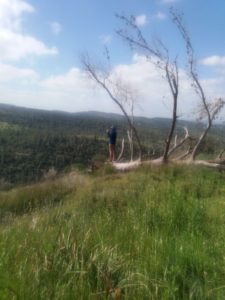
151	234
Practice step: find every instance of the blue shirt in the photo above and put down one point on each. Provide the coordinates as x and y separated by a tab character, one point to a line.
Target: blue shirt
112	136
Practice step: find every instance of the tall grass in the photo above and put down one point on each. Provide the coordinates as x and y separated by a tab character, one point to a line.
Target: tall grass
151	234
26	199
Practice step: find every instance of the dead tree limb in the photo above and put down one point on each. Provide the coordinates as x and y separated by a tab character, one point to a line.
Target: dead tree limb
121	152
219	157
180	143
184	155
130	140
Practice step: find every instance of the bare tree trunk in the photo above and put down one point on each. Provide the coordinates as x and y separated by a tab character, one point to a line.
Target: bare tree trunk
130	140
159	56
210	110
199	142
172	128
173	84
121	152
130	134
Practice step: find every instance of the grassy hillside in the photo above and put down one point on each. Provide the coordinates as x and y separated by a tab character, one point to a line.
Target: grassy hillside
156	233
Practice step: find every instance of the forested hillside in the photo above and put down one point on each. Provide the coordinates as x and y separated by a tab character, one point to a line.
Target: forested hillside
34	141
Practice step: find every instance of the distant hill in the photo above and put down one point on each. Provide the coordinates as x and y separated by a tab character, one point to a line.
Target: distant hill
95	123
90	122
32	141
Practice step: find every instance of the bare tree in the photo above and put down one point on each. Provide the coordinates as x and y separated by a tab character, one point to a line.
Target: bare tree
158	54
128	97
208	110
119	93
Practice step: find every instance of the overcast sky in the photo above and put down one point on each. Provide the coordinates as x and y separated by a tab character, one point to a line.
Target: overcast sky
41	42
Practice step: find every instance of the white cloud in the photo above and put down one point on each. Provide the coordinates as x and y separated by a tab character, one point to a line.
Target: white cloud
214	87
141	20
56	27
168	1
11	11
160	16
9	72
73	79
14	44
153	91
214	60
105	39
73	90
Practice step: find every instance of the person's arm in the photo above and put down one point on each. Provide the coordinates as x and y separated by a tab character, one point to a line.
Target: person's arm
108	132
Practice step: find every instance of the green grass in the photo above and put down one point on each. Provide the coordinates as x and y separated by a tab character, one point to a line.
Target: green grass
156	233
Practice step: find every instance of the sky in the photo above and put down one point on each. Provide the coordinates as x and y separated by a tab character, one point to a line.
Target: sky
41	43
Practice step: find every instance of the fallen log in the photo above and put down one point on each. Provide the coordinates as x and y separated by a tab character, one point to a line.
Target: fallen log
127	166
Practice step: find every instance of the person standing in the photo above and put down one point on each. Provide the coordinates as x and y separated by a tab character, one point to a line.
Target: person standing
112	135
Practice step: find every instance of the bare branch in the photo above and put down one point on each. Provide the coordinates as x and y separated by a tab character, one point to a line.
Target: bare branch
220	154
184	155
138	41
159	56
121	152
105	84
209	110
180	143
130	139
